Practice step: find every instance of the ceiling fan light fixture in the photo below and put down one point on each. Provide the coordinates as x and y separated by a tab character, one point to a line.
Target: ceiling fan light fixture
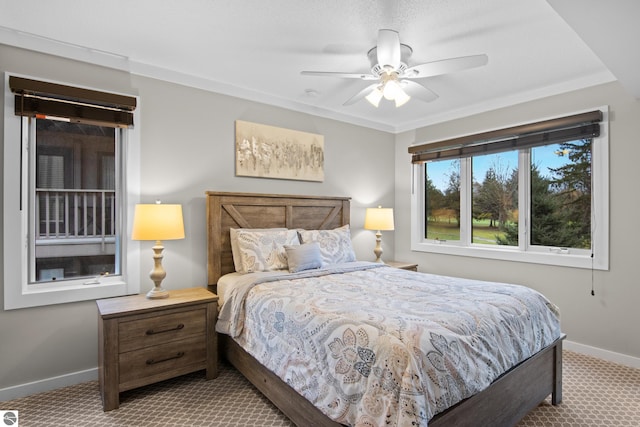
374	97
391	90
401	98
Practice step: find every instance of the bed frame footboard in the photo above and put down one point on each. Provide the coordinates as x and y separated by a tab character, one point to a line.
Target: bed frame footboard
514	394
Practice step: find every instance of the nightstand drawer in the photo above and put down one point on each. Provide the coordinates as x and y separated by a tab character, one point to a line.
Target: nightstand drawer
154	330
166	359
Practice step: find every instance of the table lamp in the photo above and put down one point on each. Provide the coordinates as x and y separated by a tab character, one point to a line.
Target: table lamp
157	222
379	219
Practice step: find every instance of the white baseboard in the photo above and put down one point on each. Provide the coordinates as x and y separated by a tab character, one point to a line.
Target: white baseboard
622	359
47	384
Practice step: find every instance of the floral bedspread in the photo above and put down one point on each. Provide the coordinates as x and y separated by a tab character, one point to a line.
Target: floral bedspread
384	346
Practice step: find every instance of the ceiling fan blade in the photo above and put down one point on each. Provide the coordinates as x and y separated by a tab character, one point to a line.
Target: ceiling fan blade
388	48
445	66
360	95
416	90
362	76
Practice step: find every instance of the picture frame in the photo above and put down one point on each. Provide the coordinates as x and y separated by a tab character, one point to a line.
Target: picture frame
264	151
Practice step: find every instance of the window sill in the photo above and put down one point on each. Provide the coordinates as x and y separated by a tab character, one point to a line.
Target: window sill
42	295
552	257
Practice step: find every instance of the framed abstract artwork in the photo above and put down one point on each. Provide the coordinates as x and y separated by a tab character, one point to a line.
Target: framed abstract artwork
271	152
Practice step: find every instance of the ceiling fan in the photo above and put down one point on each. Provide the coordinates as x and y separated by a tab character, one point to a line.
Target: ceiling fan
394	77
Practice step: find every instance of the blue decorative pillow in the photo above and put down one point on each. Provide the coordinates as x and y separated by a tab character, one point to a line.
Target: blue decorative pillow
303	257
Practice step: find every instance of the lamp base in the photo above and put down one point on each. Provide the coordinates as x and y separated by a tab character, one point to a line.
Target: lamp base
158	293
378	249
157	274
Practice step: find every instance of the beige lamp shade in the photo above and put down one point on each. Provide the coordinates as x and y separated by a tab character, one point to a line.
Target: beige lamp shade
379	219
158	222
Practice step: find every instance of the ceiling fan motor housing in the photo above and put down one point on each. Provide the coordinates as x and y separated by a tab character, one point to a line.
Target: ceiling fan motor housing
378	69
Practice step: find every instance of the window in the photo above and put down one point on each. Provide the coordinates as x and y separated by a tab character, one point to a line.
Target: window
74	233
523	194
65	193
442	201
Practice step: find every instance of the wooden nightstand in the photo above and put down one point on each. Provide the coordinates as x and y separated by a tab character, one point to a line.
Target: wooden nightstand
142	341
403	265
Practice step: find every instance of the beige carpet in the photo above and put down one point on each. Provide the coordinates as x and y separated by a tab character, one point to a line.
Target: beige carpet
595	393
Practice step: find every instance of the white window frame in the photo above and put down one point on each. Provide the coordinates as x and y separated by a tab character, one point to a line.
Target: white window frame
597	259
17	292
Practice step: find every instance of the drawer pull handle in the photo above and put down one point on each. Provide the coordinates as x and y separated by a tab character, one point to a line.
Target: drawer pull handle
154	361
177	328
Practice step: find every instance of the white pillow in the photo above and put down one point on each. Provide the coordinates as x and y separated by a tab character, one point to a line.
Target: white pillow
303	257
235	251
335	245
264	250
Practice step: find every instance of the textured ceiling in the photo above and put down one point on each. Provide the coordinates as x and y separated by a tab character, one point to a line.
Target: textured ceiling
257	49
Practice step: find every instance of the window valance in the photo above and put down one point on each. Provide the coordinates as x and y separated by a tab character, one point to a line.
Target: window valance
570	128
36	98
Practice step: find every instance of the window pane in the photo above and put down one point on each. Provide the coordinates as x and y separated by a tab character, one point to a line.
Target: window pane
442	201
75	202
561	195
495	199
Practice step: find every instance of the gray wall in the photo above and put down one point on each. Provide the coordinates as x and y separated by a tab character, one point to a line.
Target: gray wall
607	321
187	147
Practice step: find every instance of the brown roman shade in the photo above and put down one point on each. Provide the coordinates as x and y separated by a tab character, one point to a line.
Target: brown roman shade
36	98
570	128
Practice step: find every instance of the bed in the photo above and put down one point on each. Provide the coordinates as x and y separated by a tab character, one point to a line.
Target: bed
502	402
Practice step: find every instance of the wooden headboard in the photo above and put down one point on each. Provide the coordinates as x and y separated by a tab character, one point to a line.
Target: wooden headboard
250	210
